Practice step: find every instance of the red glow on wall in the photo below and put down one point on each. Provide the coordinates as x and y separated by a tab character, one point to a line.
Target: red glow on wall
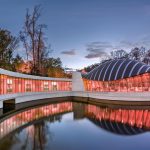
10	85
27	116
138	83
137	118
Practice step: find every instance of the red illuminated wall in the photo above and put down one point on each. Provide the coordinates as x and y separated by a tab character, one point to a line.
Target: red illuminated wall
138	118
10	85
133	84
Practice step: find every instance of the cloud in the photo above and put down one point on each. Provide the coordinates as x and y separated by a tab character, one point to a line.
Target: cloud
101	49
96	55
69	52
126	45
98	49
129	45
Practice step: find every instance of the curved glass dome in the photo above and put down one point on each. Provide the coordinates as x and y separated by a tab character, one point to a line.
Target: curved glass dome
117	127
117	69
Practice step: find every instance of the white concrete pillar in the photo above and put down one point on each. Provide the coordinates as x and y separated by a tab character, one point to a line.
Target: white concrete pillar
1	104
77	82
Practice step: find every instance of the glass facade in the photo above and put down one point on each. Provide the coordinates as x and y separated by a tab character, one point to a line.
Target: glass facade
138	83
11	84
118	75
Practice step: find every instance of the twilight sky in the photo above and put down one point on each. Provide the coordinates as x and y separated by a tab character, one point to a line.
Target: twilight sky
80	31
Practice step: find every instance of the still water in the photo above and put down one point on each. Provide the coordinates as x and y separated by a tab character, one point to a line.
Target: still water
76	126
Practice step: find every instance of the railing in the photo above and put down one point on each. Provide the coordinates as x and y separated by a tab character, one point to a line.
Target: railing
12	82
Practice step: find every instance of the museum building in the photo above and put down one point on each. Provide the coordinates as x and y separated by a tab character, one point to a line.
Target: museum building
120	75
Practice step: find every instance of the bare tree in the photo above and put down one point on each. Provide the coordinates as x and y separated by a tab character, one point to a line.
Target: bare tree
33	40
119	54
135	53
146	58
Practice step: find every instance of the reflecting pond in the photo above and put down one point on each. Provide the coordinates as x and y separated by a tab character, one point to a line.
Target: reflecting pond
76	126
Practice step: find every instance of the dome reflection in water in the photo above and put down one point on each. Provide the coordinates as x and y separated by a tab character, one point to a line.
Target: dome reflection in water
71	125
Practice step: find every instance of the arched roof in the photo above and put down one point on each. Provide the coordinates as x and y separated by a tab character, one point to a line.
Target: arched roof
117	127
117	69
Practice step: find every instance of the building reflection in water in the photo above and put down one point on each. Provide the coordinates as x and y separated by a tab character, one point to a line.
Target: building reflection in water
34	120
33	114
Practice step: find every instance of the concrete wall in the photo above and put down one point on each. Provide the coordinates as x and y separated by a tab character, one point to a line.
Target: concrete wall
77	82
77	91
112	96
31	96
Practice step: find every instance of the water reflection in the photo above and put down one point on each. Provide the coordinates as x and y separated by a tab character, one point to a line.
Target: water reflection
120	121
25	117
31	129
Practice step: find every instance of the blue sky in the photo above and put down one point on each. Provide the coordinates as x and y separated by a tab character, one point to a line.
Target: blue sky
77	27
